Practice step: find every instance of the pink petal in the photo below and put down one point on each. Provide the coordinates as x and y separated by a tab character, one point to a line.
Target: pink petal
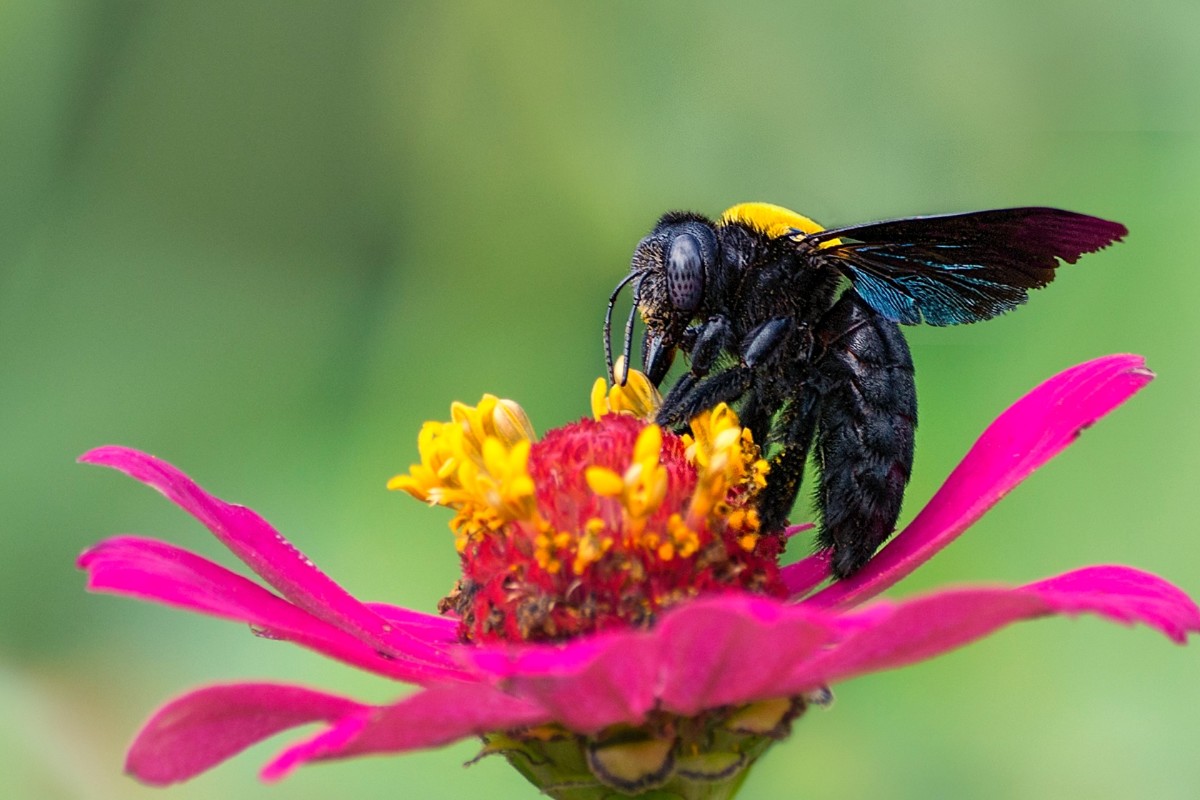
792	530
585	684
710	652
264	550
203	728
430	627
151	570
433	717
734	648
806	574
1123	594
887	635
1031	432
329	743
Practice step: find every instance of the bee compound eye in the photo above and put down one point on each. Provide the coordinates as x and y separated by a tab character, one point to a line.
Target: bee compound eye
685	273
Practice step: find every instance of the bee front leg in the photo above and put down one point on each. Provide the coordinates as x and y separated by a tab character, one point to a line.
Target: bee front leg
697	391
694	394
712	337
707	341
765	340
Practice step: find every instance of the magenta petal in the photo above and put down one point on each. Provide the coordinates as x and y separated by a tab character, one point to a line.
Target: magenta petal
151	570
806	574
263	549
792	530
887	635
585	684
205	727
433	717
1031	432
892	635
429	627
696	658
327	744
1123	594
707	647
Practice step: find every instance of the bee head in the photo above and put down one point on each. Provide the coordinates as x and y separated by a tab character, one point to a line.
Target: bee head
670	271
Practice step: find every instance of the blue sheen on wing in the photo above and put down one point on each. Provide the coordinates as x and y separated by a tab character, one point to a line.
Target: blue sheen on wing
961	268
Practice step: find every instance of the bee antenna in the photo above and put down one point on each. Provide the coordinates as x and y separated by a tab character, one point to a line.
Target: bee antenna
612	301
628	351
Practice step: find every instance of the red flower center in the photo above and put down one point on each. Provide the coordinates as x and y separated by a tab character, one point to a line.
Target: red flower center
591	558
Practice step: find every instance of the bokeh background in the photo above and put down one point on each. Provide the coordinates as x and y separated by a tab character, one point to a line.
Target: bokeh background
267	240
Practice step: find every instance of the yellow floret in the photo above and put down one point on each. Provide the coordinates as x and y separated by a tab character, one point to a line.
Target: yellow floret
637	397
725	456
477	463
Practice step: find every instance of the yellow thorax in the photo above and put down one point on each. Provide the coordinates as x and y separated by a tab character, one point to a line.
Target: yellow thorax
775	221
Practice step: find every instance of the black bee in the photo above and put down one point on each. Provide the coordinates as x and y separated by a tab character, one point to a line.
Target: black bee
756	302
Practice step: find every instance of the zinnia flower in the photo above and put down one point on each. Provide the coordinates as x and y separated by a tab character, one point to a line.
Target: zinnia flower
622	623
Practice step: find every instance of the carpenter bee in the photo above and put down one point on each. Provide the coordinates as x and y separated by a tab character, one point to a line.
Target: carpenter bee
758	302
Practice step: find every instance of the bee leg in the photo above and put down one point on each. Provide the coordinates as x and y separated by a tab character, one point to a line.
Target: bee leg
708	340
756	414
703	342
693	394
794	434
712	337
669	412
764	341
759	351
865	425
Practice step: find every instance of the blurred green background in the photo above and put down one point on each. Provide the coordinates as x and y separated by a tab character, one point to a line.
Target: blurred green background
265	241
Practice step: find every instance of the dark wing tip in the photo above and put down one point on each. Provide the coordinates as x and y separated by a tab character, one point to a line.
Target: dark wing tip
1068	234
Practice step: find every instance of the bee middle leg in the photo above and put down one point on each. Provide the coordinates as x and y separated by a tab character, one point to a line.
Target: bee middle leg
794	434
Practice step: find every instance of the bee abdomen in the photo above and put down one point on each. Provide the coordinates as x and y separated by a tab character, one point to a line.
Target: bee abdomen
865	427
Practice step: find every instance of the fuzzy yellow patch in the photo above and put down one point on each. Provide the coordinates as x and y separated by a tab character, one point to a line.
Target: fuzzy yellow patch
775	221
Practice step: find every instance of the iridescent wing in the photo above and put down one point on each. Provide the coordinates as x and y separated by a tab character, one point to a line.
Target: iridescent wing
958	268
